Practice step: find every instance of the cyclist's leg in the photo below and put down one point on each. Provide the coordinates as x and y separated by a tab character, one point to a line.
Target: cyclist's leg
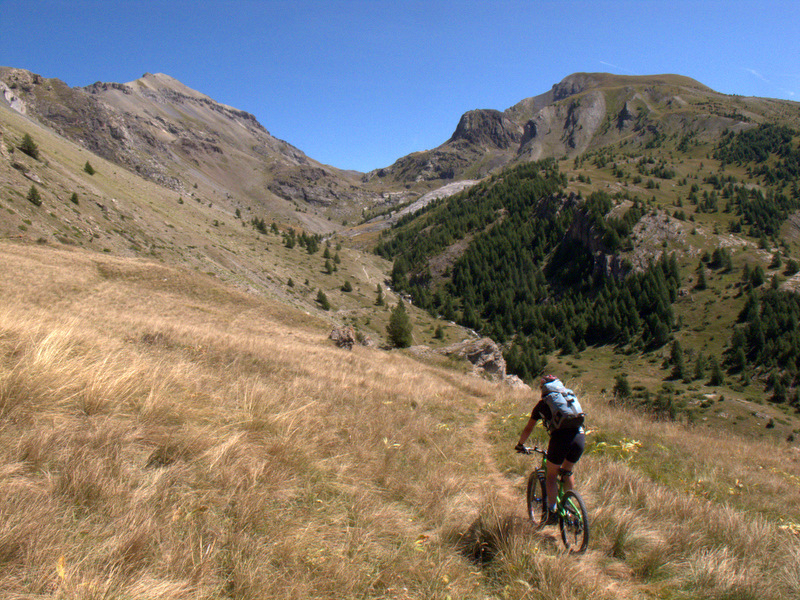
556	453
571	457
569	480
551	482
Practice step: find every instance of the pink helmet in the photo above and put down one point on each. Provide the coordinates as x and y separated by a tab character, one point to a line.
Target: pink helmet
548	379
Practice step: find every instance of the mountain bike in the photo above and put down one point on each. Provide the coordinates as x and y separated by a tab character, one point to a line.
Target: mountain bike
573	520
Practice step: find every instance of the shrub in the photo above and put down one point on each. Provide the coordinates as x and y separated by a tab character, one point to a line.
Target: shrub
74	198
89	168
622	388
347	287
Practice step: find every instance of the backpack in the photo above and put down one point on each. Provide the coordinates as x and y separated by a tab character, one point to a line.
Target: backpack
565	410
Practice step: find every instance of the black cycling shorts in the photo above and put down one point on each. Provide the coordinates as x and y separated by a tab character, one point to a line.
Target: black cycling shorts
566	444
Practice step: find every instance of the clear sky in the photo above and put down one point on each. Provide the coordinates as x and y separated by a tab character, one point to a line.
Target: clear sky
358	83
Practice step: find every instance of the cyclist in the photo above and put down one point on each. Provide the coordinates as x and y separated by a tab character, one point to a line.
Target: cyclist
564	450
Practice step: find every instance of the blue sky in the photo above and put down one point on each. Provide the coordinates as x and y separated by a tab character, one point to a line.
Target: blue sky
358	84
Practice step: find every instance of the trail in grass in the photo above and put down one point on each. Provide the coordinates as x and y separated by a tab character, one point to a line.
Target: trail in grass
605	578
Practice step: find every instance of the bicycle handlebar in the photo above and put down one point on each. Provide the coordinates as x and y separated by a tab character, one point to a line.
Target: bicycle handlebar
535	449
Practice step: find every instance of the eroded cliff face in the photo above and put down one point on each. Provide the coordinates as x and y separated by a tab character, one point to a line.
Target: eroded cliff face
564	129
488	128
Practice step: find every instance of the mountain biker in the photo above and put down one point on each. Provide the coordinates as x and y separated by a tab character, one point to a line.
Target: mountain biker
564	450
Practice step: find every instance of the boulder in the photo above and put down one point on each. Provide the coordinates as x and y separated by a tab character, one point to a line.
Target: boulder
344	337
484	354
486	358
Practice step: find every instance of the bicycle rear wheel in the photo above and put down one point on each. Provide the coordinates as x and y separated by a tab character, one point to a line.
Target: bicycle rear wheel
574	524
537	498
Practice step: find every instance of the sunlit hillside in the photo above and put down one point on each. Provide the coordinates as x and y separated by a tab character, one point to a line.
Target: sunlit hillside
115	212
164	435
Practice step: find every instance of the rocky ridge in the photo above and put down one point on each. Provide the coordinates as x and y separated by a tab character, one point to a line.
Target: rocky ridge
582	112
179	138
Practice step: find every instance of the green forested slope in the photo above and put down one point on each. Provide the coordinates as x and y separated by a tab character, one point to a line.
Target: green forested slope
560	259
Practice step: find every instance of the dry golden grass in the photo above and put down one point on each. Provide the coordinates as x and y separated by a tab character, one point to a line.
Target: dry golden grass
162	436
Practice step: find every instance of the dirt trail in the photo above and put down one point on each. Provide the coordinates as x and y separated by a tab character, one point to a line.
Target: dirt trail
609	579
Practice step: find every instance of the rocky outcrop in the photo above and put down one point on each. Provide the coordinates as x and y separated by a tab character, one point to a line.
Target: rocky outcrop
625	117
488	128
344	337
486	359
347	337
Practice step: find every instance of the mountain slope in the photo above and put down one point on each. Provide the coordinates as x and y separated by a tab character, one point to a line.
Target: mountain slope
184	140
585	112
690	277
667	180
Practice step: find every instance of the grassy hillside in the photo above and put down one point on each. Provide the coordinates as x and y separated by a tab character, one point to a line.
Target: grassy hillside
118	213
164	435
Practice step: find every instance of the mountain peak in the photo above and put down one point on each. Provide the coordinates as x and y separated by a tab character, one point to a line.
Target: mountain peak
161	83
581	82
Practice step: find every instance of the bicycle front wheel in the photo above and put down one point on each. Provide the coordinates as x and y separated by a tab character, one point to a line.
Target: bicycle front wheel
574	523
537	498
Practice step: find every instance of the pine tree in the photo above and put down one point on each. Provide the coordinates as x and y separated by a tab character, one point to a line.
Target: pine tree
29	147
622	388
399	328
322	300
699	367
701	278
379	301
676	359
34	197
716	373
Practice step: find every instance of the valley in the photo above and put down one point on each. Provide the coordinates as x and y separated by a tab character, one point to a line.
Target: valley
176	423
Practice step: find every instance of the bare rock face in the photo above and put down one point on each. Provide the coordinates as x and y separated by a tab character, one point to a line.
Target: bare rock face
489	128
516	383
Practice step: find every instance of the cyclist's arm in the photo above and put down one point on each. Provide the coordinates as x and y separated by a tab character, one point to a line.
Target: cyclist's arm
523	436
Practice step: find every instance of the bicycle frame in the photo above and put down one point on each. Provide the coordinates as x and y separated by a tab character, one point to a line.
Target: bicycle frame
573	519
559	480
